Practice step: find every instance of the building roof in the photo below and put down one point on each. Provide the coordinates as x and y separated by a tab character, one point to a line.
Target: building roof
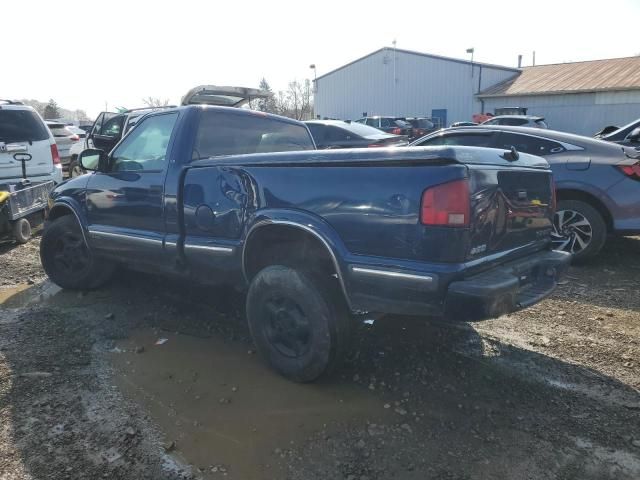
420	54
576	77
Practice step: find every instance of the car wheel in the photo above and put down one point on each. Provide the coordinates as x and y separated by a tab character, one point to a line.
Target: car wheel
21	230
299	325
67	259
75	169
578	228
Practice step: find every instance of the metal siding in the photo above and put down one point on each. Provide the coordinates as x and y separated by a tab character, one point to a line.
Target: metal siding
423	84
580	113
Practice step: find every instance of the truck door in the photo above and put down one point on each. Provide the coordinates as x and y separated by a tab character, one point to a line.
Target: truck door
125	204
106	135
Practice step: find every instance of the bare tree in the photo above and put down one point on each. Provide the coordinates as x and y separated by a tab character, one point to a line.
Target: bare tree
155	102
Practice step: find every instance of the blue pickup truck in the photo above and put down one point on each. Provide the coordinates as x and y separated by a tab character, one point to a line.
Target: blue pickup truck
224	196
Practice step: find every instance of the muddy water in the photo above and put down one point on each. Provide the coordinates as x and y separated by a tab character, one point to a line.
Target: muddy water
223	406
24	295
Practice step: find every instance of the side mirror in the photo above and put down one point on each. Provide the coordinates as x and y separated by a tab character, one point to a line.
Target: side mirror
634	136
94	160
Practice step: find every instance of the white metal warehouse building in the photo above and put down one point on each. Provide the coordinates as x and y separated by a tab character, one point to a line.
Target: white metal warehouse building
580	97
404	83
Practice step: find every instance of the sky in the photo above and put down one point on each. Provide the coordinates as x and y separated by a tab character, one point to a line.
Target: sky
88	54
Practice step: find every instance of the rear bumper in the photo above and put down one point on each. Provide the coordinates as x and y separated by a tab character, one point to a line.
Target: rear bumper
436	290
507	288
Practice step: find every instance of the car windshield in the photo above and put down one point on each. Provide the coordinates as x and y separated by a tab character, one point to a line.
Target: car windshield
21	126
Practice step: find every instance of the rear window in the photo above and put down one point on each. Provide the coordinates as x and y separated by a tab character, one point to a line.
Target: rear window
421	123
464	139
233	134
21	126
541	124
362	130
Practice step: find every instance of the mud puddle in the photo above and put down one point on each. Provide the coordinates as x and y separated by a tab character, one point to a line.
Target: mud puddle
225	410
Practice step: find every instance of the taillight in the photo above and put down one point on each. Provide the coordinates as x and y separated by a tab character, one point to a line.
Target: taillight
397	131
74	138
632	171
373	145
554	200
55	155
447	204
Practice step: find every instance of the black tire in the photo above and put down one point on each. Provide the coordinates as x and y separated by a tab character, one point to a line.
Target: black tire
21	229
298	321
67	259
579	229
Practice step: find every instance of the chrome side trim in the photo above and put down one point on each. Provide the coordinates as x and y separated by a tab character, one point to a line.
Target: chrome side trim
210	248
307	229
391	274
124	236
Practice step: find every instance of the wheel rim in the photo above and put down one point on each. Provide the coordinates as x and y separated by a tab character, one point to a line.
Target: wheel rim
70	254
287	327
572	232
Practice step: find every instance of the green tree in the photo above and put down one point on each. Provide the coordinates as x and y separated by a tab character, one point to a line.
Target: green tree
51	110
266	104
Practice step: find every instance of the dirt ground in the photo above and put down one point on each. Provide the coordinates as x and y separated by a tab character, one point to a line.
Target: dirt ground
150	379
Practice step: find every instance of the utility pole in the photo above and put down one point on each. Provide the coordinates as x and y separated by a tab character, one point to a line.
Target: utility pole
395	80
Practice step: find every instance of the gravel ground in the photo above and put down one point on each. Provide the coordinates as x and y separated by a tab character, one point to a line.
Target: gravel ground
549	392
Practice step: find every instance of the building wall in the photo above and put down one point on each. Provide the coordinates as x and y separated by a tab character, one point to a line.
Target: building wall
422	85
581	113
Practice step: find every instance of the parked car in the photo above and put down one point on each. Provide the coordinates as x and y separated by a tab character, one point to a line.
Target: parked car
217	196
394	125
629	135
66	137
464	124
110	127
23	131
517	121
339	134
597	182
421	126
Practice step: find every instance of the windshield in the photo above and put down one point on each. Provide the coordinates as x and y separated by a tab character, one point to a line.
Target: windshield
21	126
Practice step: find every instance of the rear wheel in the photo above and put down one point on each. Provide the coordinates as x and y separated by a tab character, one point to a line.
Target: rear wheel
298	322
66	258
21	230
578	228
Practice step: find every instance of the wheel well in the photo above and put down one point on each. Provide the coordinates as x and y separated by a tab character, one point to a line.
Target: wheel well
591	200
286	245
59	211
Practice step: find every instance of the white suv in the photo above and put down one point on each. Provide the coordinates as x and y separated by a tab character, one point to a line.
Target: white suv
22	130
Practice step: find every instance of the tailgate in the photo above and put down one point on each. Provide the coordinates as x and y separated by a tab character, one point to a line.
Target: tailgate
512	205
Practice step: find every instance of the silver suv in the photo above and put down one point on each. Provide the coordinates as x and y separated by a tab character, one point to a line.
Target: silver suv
517	121
22	130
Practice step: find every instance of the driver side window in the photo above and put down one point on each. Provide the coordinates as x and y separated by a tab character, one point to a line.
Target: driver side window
145	148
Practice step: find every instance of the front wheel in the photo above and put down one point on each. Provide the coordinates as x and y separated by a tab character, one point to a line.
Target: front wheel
298	323
578	228
66	258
